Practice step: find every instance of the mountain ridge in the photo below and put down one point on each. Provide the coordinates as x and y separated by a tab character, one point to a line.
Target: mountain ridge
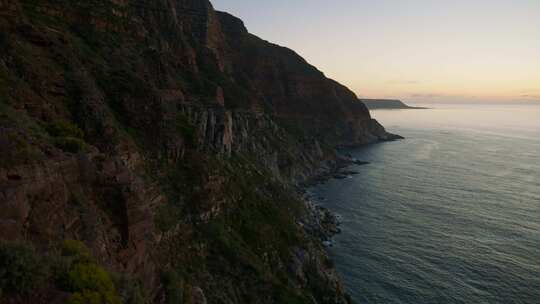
170	144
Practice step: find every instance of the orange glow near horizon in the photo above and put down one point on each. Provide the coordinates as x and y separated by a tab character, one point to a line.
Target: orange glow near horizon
417	50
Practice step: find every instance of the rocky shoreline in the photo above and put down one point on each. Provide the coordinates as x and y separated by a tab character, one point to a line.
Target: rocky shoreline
321	222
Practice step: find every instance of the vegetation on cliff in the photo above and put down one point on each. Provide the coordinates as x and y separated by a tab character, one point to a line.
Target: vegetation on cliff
168	141
71	270
21	269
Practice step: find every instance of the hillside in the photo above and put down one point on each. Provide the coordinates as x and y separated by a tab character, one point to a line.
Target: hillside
375	104
151	152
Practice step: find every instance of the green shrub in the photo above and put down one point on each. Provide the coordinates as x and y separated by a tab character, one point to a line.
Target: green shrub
92	297
93	280
64	129
69	144
21	269
85	297
89	282
87	276
68	136
76	249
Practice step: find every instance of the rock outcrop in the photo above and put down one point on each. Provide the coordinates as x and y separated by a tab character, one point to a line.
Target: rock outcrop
376	104
169	140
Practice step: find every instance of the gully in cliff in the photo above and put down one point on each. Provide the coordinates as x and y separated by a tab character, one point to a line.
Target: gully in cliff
157	153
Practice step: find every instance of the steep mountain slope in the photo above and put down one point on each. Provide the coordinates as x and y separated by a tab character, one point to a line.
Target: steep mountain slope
168	140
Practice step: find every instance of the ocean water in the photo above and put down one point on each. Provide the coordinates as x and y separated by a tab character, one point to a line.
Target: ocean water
449	215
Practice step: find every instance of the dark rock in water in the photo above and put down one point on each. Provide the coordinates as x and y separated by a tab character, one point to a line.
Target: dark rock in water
327	244
360	163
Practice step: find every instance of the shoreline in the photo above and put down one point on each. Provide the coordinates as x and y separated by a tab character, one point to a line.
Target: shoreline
321	222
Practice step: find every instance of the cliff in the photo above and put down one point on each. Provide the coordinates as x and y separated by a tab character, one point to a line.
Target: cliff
376	104
168	141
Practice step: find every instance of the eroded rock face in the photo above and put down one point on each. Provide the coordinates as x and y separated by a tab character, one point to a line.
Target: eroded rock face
165	108
82	197
279	79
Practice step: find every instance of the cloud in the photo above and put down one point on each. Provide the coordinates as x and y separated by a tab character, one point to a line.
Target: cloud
530	93
530	96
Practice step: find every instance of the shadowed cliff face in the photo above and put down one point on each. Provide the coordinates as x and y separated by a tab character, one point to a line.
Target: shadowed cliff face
281	81
246	72
166	138
285	81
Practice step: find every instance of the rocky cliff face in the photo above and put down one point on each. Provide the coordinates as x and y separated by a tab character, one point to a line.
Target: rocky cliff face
166	138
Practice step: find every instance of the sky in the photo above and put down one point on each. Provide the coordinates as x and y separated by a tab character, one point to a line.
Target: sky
415	50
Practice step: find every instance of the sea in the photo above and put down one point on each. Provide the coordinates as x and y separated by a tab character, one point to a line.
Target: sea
450	214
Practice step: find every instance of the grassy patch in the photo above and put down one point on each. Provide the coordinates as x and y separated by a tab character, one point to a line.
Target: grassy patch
67	136
64	129
69	144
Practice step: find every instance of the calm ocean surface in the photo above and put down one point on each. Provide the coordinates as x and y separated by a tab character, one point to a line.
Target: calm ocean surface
449	215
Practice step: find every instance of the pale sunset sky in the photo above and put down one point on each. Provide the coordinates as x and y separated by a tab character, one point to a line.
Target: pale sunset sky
415	50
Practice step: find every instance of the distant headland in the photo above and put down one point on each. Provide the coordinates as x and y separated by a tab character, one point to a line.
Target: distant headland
390	104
